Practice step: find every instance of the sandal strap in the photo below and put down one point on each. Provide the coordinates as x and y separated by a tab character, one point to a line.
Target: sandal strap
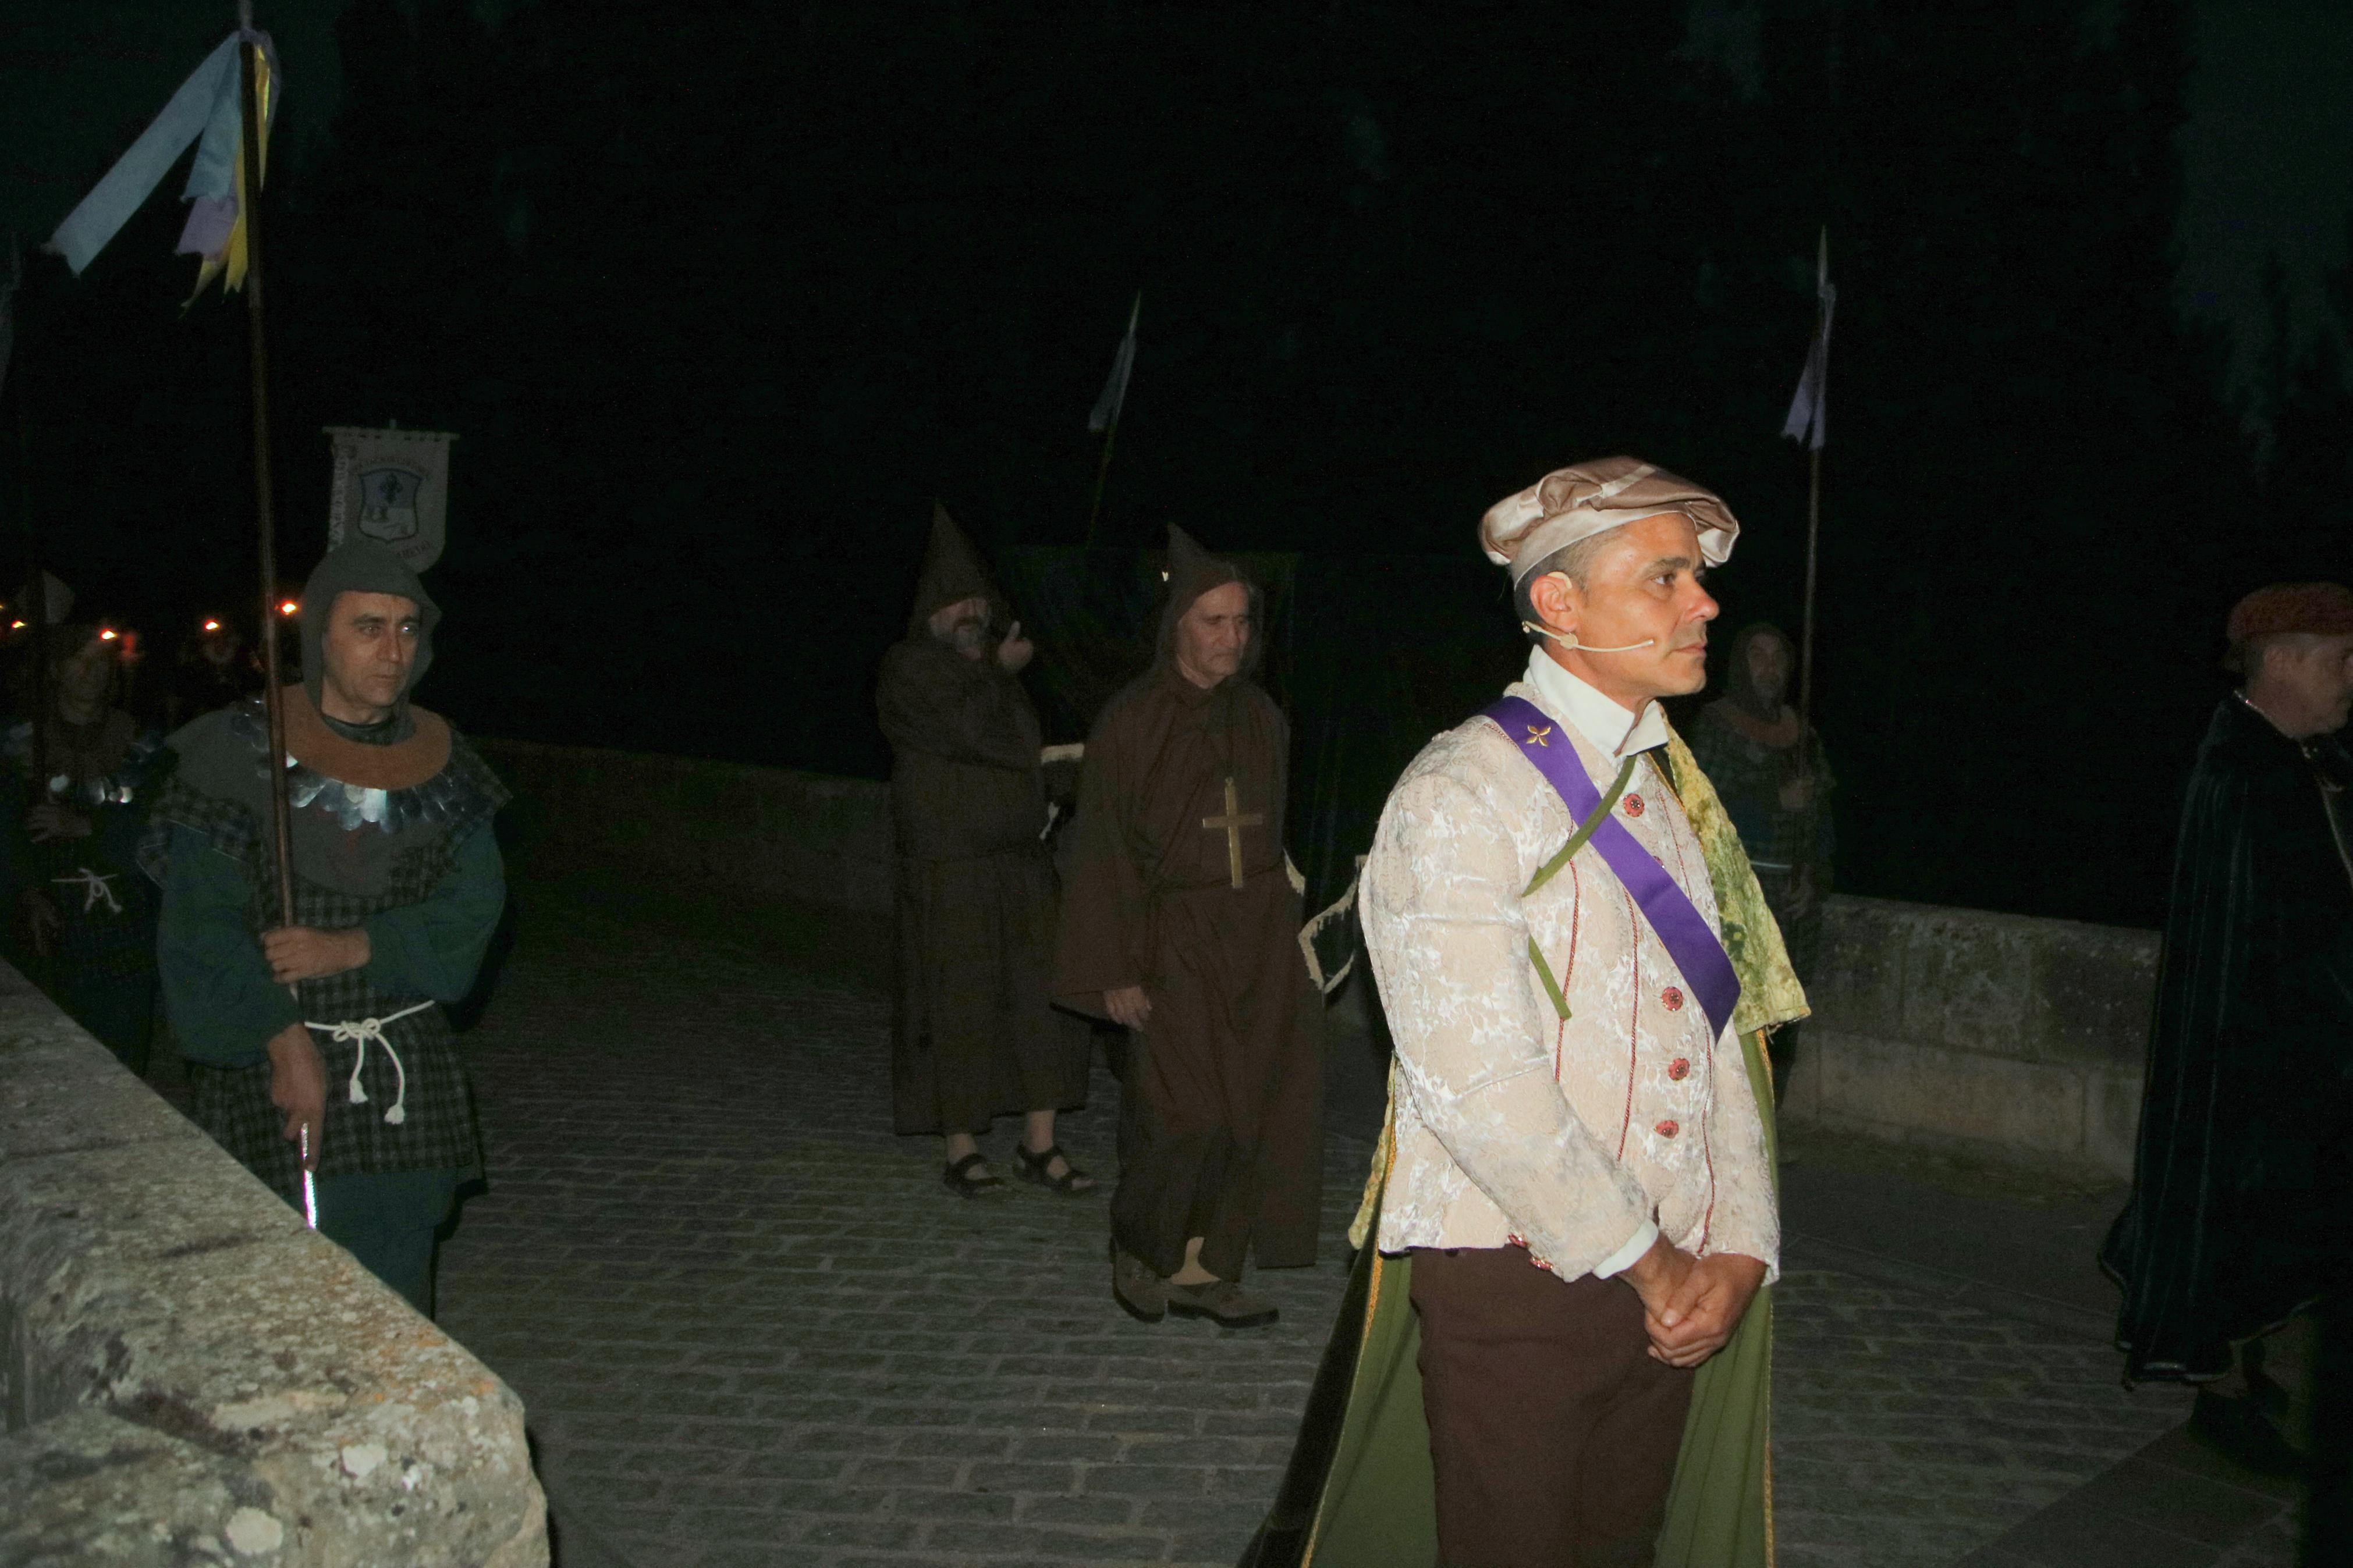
958	1169
1040	1162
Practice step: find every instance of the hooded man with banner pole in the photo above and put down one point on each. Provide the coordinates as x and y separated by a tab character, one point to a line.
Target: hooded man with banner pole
1555	1345
318	1042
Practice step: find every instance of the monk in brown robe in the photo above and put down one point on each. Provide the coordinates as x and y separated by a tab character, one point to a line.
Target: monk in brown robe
1180	923
973	1035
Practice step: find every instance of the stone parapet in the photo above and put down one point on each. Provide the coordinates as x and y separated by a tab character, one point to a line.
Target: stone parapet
2019	1038
763	830
2016	1037
189	1375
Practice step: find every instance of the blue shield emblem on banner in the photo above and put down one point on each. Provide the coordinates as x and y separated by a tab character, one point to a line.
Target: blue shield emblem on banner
388	503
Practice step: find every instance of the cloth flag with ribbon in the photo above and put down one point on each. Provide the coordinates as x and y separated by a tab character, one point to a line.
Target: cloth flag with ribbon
1115	391
206	112
1808	408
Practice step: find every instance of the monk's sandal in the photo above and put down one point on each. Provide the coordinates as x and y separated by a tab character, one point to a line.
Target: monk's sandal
967	1186
1037	1168
1141	1293
1223	1302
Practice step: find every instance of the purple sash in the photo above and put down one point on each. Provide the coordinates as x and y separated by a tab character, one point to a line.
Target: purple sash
1682	929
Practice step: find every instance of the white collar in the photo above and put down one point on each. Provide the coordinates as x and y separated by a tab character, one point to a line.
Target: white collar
1608	727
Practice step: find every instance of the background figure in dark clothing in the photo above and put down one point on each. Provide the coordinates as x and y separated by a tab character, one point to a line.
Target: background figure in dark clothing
73	827
974	1036
1769	770
2242	1194
215	667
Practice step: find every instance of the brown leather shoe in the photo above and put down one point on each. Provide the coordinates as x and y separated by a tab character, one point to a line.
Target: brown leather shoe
1223	1302
1143	1294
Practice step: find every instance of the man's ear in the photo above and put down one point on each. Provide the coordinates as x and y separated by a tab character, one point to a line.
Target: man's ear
1557	603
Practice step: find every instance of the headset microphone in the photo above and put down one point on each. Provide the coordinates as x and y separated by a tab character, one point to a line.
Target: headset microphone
1569	639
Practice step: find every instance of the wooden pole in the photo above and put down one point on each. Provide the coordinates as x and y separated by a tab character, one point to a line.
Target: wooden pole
281	815
1103	470
1806	645
1111	430
36	614
1813	518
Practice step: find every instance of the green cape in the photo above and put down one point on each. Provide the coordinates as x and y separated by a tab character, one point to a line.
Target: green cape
1360	1494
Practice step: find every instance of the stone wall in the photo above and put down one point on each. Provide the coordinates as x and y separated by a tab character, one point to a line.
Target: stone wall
2017	1038
189	1375
764	830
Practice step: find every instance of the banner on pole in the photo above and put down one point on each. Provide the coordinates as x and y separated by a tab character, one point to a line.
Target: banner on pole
206	113
1122	365
391	486
1810	408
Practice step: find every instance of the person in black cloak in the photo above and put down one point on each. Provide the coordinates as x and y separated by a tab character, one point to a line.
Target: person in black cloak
329	1034
2241	1206
974	1036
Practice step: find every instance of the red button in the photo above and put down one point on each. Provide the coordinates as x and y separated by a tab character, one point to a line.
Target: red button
1666	1129
1672	999
1679	1070
1633	805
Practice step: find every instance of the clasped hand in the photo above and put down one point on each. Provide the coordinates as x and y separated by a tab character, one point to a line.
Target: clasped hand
1691	1305
304	953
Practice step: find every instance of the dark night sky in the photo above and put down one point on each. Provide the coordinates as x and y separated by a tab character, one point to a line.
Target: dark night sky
718	300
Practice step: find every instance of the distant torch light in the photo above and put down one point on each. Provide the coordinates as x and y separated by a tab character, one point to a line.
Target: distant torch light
15	625
108	634
288	607
212	625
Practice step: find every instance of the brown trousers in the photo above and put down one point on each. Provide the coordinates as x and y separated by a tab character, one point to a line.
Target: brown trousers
1553	1432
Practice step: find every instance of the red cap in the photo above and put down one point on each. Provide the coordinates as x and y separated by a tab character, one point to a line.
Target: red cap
2322	609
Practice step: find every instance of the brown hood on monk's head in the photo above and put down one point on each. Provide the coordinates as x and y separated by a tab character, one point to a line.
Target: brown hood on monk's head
952	574
1193	571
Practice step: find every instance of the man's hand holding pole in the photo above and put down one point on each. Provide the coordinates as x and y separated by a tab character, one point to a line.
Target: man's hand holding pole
298	1088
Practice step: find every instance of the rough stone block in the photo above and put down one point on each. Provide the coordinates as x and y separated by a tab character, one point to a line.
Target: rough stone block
1966	980
192	1375
1859	986
2095	988
2029	1107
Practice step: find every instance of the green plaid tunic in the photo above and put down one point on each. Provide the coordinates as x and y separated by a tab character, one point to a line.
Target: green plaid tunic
232	1103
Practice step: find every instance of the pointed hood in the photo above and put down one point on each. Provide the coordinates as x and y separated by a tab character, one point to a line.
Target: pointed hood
1193	571
952	574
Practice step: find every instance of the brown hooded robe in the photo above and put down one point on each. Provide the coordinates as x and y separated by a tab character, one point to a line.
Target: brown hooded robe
1221	1120
973	1033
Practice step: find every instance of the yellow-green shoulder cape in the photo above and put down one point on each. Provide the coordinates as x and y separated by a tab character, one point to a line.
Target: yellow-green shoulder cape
1359	1492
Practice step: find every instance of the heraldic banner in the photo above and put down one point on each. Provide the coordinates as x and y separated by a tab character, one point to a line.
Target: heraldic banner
391	486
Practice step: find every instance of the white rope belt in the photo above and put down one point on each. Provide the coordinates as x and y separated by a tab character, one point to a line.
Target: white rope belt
94	885
365	1030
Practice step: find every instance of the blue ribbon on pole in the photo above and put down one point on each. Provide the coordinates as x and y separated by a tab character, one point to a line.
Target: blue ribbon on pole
204	111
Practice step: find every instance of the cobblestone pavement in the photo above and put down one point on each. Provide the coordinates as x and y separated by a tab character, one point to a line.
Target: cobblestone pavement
751	1329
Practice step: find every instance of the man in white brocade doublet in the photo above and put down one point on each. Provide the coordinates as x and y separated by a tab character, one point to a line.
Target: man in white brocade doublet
1580	1169
1620	1098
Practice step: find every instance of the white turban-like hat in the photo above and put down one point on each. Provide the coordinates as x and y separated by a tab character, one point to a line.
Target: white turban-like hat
1569	504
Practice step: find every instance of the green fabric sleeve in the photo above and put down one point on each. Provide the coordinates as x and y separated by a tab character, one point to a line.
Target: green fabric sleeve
435	948
217	987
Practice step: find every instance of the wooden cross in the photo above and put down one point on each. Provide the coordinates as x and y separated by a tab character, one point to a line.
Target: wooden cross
1232	825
